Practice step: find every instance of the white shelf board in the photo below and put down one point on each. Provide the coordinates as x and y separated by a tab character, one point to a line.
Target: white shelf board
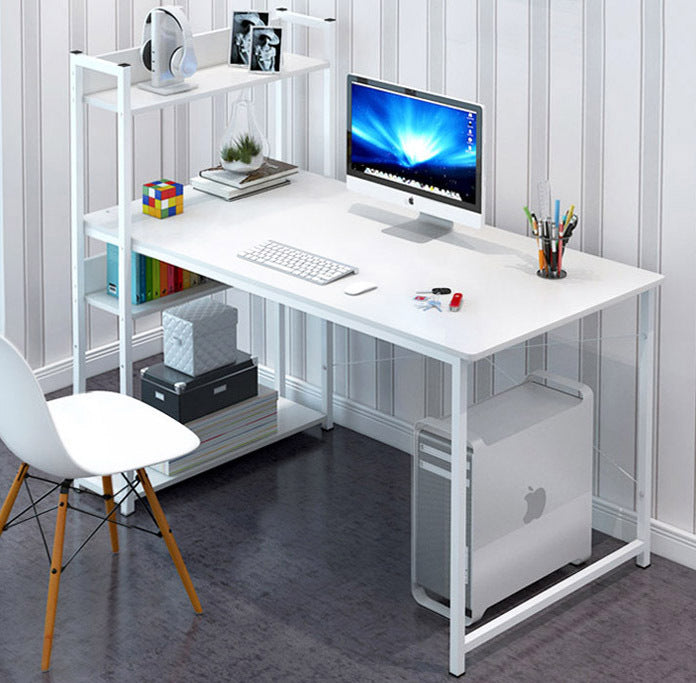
292	418
212	80
108	303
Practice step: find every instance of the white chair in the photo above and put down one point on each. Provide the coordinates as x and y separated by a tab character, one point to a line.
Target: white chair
94	434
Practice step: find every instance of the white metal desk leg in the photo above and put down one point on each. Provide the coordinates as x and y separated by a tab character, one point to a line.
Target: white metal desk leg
280	369
644	437
327	376
458	552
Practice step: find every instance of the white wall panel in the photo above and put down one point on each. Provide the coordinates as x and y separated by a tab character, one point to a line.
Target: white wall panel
677	392
617	391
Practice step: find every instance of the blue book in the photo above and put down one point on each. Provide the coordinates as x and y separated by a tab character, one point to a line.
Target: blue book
112	273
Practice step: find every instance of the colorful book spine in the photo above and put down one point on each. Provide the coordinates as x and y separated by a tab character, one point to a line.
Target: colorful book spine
179	277
155	278
142	284
171	278
185	279
112	273
148	279
164	279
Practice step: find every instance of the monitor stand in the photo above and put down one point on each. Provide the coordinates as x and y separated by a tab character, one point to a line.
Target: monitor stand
423	229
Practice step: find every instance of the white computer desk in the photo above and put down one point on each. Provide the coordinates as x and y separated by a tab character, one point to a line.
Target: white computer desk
504	303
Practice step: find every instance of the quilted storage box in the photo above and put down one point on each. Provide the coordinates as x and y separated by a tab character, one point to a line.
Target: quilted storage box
199	336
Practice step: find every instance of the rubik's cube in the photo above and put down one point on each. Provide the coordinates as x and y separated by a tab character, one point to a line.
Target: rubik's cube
163	198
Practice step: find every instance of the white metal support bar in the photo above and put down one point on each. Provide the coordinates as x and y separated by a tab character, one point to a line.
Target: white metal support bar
328	29
77	208
280	368
458	540
125	191
560	590
645	417
327	373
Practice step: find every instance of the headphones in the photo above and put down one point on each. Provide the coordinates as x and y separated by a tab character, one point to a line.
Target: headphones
182	61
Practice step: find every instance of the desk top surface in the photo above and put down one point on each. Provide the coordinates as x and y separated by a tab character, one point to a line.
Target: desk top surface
504	301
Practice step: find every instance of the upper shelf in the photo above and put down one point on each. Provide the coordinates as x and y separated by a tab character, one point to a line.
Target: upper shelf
214	75
214	80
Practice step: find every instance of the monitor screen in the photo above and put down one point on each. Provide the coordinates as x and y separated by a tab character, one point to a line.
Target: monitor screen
419	144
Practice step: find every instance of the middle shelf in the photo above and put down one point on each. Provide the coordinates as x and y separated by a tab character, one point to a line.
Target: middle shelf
96	296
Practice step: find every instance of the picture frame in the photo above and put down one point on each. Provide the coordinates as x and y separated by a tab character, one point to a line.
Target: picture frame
240	35
266	49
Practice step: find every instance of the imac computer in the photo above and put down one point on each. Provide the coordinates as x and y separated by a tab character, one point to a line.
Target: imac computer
416	149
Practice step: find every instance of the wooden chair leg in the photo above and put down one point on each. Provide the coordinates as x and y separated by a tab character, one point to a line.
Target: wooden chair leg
54	579
12	495
110	505
169	539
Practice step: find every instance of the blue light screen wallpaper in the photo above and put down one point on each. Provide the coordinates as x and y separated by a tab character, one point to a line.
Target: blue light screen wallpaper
426	146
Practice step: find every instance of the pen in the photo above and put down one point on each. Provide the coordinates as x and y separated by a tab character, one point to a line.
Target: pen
535	228
557	211
554	247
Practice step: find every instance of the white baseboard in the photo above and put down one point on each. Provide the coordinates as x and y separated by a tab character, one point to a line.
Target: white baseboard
58	375
667	541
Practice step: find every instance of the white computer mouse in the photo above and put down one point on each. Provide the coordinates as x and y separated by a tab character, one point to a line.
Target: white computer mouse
359	287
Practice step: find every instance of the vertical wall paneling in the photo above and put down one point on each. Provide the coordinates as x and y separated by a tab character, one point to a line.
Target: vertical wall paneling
486	63
436	46
621	155
55	174
33	209
461	49
677	390
591	199
101	149
564	151
510	116
13	180
651	163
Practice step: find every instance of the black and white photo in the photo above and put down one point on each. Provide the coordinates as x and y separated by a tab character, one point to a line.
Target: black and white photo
240	43
265	49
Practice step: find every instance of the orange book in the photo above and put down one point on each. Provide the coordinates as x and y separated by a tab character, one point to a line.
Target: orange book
164	280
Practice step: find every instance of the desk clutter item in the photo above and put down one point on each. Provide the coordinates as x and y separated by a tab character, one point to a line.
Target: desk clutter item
163	198
150	278
529	490
187	398
231	431
230	185
297	262
199	336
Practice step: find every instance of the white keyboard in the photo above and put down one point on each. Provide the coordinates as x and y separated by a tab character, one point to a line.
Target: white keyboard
297	262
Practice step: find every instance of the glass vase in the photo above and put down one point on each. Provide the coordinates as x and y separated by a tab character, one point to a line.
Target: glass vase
243	145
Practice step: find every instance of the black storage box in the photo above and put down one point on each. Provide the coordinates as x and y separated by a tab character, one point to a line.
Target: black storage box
186	398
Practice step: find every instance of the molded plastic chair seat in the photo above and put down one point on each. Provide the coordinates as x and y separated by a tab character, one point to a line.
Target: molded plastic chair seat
108	433
99	433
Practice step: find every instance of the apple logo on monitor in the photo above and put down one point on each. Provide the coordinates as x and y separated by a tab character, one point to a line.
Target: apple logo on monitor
536	502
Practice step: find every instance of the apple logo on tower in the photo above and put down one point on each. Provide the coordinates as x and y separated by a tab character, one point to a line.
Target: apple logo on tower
536	502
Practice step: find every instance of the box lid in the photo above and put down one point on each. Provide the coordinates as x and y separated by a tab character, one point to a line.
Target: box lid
179	382
204	315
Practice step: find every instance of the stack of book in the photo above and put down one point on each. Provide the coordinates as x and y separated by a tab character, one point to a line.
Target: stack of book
150	278
229	430
229	185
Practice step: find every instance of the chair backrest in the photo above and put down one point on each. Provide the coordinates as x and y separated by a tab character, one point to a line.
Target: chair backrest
26	425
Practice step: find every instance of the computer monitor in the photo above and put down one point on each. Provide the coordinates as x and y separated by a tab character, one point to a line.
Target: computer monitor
417	149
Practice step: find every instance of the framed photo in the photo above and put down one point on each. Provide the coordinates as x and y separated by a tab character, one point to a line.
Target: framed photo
240	42
266	44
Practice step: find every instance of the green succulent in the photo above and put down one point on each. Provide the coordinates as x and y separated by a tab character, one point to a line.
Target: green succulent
243	149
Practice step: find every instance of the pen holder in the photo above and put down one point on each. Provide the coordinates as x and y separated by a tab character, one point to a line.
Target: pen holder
552	258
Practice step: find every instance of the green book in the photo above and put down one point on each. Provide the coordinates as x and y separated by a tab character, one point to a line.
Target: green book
148	280
155	279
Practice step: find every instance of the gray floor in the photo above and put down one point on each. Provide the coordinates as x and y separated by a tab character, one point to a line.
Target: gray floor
300	555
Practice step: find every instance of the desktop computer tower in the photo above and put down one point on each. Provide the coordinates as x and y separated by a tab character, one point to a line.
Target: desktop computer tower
529	484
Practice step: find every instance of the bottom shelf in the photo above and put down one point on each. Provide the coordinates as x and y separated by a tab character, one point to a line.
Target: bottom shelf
292	418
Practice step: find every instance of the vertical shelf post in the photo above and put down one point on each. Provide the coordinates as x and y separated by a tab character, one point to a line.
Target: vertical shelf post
125	191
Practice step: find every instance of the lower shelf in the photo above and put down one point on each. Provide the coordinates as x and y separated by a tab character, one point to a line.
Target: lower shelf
292	418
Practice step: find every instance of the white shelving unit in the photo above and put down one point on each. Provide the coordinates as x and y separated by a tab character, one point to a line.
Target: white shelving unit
109	82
